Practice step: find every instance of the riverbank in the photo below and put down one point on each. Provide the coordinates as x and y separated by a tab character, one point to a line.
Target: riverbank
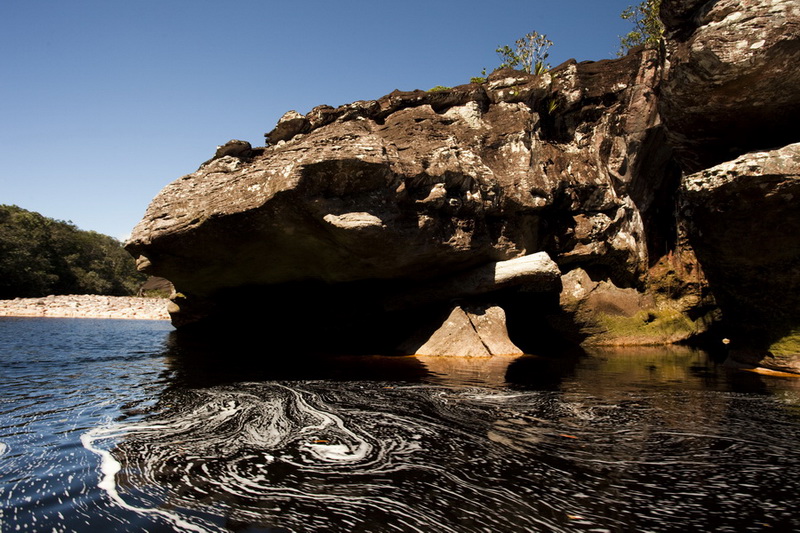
87	306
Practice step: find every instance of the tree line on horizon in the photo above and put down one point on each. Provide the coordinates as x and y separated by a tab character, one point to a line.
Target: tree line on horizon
40	256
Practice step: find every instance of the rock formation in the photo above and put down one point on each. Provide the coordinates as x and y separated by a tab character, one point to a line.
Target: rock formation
357	227
745	222
471	332
730	78
731	102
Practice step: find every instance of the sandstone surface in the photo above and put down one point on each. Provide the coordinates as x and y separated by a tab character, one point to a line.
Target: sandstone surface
418	184
730	77
470	332
364	224
731	104
411	194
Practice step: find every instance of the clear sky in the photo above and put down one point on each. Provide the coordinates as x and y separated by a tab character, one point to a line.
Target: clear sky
104	102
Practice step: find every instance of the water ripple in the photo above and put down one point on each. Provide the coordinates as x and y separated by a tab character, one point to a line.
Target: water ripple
322	456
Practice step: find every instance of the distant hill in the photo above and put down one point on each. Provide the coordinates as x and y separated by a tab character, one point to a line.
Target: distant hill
40	256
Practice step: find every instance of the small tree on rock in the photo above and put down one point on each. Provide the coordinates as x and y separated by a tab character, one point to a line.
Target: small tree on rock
647	26
530	53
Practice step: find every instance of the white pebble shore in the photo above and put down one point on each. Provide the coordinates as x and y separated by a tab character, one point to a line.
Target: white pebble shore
87	306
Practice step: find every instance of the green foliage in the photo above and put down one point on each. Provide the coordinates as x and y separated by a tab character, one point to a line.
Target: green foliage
788	345
663	325
529	54
647	26
439	88
156	293
552	105
41	256
478	79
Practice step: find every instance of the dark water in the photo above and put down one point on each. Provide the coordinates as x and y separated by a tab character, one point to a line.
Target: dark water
113	426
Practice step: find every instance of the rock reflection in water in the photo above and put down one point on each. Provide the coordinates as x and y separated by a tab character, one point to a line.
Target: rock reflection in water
619	446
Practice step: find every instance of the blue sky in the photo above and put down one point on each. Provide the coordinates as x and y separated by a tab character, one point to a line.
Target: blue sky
103	102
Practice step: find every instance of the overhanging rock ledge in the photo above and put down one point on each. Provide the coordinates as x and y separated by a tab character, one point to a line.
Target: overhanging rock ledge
358	227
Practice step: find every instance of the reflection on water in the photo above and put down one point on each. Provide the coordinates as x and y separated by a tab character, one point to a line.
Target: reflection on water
617	439
313	456
183	438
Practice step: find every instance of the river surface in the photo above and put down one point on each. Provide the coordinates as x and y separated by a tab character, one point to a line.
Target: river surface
110	425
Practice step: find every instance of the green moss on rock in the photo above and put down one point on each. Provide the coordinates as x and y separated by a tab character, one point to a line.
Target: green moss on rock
648	327
788	346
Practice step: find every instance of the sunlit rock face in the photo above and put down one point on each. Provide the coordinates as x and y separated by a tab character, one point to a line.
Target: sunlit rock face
379	198
471	332
730	77
364	224
415	185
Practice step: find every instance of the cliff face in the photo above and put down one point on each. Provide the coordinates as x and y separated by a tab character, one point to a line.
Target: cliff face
351	218
745	224
731	102
730	78
415	185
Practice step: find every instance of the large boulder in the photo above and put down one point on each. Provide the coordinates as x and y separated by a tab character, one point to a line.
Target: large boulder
471	332
744	219
417	184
